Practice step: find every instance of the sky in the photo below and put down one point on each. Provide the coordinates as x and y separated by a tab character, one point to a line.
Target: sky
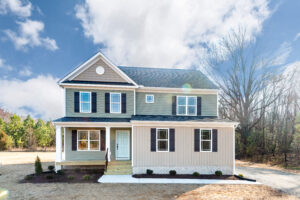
41	41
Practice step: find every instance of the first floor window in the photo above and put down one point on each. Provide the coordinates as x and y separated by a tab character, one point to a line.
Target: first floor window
85	102
205	140
162	139
186	105
88	140
115	102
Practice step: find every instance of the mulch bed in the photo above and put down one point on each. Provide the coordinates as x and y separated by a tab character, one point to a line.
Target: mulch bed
67	176
187	176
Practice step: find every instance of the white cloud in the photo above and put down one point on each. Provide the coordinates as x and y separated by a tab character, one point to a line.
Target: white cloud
17	7
4	66
297	36
281	55
29	35
39	96
166	33
25	72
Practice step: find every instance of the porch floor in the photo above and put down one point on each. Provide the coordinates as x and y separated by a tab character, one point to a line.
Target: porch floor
80	162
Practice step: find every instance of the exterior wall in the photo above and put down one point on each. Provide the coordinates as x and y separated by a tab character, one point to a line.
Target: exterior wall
100	104
80	155
90	74
163	104
184	160
91	155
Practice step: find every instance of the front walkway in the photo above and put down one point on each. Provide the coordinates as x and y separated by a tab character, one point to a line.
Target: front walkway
130	179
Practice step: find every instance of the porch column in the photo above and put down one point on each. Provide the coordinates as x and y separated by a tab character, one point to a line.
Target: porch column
58	147
107	142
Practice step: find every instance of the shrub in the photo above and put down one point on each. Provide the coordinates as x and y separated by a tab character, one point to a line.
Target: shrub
51	168
196	174
38	166
60	172
172	172
49	177
28	177
241	175
70	177
87	177
218	173
149	172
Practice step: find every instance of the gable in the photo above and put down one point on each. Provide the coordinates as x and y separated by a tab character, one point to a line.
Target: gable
90	74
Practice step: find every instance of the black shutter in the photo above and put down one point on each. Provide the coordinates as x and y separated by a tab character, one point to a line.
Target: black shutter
173	105
215	140
76	101
123	102
74	140
172	139
197	140
94	102
198	105
153	139
107	103
102	139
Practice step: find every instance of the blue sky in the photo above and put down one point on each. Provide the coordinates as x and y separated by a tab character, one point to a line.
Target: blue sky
40	41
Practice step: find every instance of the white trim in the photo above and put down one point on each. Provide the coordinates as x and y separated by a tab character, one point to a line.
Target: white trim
88	140
107	142
110	103
183	123
132	146
90	62
85	102
123	158
176	90
186	106
95	86
210	129
65	102
134	102
146	95
168	140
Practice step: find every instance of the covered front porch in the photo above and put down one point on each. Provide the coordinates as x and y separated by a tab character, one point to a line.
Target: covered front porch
92	144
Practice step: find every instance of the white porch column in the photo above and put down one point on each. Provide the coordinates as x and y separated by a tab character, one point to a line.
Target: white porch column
58	147
107	141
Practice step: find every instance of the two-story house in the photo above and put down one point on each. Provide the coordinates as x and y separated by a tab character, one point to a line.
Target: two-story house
152	118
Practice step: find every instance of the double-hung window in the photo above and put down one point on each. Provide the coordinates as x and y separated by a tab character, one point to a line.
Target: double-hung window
88	140
85	102
162	138
205	140
186	105
149	98
115	102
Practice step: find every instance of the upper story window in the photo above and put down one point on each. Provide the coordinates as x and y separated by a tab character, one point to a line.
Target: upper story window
162	139
205	140
149	98
115	102
88	140
85	102
186	105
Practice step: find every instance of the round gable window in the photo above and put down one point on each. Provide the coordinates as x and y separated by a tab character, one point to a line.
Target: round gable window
100	70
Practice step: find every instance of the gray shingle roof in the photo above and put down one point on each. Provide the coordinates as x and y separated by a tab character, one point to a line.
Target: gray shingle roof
91	119
172	78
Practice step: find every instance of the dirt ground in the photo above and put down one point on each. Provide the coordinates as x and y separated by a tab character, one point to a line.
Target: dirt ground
244	163
16	165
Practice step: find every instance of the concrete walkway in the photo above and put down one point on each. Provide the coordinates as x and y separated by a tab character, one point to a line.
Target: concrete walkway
280	180
130	179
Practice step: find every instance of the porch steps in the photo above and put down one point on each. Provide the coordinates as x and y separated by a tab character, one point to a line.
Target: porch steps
119	168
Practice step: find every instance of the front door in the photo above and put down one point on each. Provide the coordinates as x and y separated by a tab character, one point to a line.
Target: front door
122	145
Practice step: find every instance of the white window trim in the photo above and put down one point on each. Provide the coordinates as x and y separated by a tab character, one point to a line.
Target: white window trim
88	140
147	96
110	103
186	106
81	92
168	140
209	129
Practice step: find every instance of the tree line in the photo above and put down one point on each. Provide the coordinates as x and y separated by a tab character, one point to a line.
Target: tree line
261	96
27	133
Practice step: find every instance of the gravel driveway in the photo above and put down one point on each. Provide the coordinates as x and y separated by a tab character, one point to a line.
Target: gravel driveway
284	181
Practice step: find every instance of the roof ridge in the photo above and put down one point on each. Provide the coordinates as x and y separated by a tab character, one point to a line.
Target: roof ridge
184	69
